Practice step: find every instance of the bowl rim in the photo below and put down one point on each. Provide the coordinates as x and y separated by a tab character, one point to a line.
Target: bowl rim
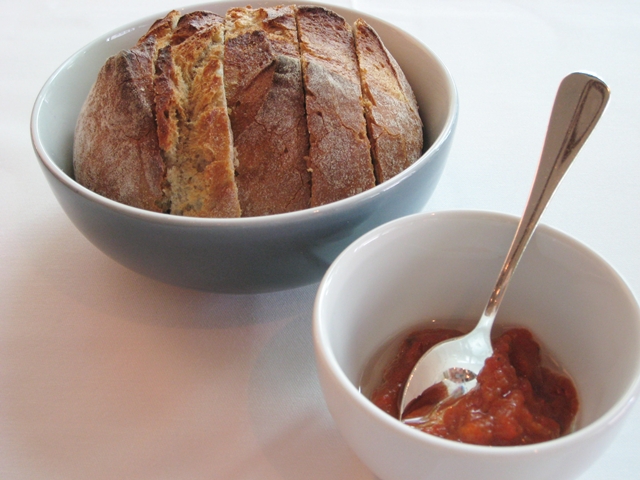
324	351
328	210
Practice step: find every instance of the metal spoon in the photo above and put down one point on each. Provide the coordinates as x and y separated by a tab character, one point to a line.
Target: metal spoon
580	101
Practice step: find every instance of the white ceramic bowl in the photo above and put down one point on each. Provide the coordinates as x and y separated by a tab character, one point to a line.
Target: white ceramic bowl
247	254
443	266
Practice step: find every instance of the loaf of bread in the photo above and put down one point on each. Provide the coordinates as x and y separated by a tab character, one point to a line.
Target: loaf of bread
263	111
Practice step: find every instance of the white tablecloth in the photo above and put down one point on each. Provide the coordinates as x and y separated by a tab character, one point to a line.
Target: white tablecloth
105	374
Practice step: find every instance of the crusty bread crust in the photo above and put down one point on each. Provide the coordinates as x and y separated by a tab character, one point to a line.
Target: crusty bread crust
263	82
154	131
193	127
391	110
116	152
264	111
339	157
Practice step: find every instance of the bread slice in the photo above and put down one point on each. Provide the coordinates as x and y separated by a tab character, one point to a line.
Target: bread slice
391	110
263	83
193	126
339	156
116	152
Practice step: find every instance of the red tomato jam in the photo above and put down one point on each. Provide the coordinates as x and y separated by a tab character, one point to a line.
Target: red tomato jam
516	401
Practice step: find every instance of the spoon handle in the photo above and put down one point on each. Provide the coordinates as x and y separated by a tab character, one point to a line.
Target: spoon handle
580	101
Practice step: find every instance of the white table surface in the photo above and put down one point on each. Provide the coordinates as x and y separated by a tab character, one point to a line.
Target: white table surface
105	374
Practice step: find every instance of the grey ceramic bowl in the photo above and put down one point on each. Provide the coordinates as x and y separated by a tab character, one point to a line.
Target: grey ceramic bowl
244	255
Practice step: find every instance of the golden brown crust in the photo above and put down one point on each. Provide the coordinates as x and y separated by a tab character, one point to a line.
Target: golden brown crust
193	126
161	30
154	132
282	129
263	81
116	151
339	158
393	122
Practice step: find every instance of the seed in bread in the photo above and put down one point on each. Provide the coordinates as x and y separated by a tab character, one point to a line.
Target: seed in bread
263	83
339	156
391	110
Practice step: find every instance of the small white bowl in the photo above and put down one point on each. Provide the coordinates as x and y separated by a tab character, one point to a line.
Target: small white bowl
243	255
443	266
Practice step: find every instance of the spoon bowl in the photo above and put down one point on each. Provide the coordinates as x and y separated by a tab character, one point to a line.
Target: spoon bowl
455	363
